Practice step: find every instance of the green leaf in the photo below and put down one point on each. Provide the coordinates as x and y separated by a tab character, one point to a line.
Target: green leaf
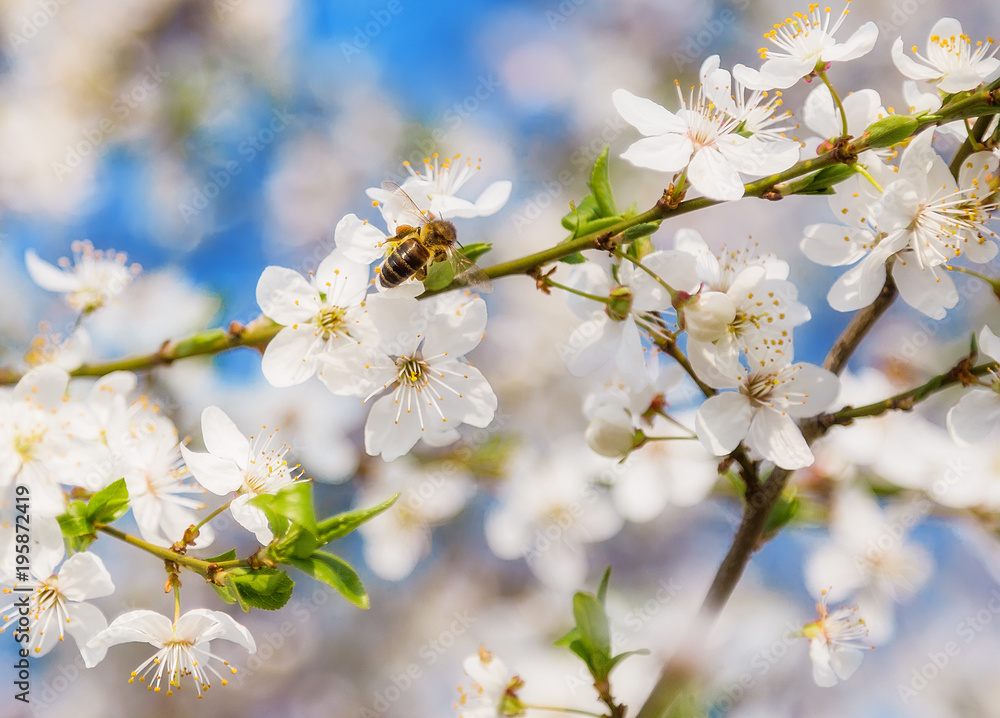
474	250
265	588
336	572
227	556
75	522
782	513
596	225
602	590
109	503
575	258
439	276
592	622
340	525
622	656
580	213
228	592
823	181
600	185
639	231
290	506
572	635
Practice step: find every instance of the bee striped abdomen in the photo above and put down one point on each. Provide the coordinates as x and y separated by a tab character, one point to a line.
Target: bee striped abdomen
405	261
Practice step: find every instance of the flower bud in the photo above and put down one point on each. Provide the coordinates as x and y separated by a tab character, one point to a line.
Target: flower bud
707	315
610	432
891	130
621	303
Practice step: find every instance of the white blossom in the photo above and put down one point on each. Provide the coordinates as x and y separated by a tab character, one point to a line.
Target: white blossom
320	315
183	646
806	45
233	463
836	643
950	62
977	413
91	281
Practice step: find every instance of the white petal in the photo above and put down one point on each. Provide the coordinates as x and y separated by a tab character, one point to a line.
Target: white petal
388	436
858	44
665	153
592	344
722	422
142	626
989	343
819	385
220	476
84	623
359	240
456	334
291	356
222	438
84	576
974	417
931	290
48	276
823	673
493	198
251	518
630	358
834	245
776	437
212	625
712	175
341	279
645	115
284	296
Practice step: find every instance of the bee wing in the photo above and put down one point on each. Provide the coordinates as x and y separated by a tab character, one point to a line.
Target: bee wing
401	207
468	273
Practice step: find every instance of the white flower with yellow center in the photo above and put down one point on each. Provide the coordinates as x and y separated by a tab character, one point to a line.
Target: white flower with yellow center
701	138
434	191
57	601
950	62
836	643
183	646
769	397
250	467
805	44
494	689
422	387
91	281
320	315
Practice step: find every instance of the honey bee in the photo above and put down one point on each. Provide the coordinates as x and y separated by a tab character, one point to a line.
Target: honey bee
427	241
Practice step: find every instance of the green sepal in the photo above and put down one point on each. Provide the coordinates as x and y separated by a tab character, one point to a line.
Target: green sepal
439	276
822	182
340	525
336	572
108	504
600	185
891	130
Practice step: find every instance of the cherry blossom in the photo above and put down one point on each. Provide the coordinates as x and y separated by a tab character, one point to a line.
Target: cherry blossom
494	689
769	396
427	388
701	138
976	414
321	315
805	45
950	62
57	601
95	277
183	646
836	643
233	463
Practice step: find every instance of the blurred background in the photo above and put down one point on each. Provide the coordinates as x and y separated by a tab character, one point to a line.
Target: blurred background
210	139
